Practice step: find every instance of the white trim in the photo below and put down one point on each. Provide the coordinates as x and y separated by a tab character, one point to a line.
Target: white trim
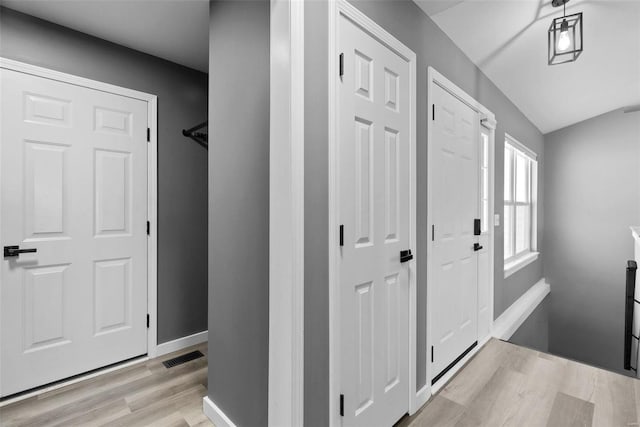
487	120
490	125
438	385
519	263
514	316
286	215
520	146
180	343
339	8
215	414
152	171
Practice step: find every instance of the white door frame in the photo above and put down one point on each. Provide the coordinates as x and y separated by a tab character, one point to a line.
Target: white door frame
286	215
152	174
488	121
339	8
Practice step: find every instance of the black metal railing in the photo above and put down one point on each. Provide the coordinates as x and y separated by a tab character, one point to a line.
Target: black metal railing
630	303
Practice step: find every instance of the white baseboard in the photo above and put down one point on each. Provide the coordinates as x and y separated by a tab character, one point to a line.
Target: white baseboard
509	321
215	414
180	343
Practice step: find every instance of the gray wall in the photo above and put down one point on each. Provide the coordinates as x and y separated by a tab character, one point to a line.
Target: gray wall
182	165
239	209
409	24
534	332
592	196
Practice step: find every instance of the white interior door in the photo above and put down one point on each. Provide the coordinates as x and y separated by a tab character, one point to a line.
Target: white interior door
74	188
454	175
373	180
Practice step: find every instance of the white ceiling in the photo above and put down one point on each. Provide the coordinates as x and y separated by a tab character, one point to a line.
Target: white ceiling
176	30
507	39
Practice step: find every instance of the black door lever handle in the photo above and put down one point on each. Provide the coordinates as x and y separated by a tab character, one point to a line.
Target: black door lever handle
476	247
11	251
406	255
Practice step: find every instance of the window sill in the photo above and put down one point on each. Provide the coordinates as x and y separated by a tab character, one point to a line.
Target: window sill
519	263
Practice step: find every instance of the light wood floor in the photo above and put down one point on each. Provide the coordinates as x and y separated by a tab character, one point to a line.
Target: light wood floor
503	385
147	394
509	385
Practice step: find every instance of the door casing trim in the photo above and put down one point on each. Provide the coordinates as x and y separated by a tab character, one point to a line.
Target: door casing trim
488	121
338	8
152	175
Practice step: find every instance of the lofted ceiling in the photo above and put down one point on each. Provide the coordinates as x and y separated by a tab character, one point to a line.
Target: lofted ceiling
507	40
176	30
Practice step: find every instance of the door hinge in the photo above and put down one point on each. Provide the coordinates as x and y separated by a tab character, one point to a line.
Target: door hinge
431	354
342	405
341	235
433	111
341	64
148	228
147	320
433	233
148	134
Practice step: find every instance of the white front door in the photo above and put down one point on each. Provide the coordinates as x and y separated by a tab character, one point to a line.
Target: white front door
74	189
454	175
373	180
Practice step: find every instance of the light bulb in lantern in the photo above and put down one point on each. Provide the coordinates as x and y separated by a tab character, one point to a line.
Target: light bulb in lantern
564	41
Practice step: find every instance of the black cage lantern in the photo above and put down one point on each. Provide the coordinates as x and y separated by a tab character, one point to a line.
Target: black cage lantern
565	37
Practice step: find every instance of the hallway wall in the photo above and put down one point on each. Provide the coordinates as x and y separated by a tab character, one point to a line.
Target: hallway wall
592	197
182	164
239	209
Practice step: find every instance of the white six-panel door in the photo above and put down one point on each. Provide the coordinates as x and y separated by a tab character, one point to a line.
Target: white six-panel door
455	147
373	180
74	187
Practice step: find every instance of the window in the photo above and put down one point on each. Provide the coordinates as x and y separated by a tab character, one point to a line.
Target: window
484	181
520	195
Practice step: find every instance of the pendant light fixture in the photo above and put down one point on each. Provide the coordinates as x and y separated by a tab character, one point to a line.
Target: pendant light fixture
565	36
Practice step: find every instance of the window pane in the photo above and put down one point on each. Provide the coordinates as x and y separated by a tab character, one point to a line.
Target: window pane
523	228
484	223
485	184
522	178
508	233
485	150
508	173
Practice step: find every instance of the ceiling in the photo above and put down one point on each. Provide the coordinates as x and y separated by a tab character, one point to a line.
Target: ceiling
176	30
507	39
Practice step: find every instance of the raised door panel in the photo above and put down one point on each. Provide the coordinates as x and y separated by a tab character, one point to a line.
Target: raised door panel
111	121
393	331
45	310
112	295
112	192
364	322
47	110
364	185
46	184
392	185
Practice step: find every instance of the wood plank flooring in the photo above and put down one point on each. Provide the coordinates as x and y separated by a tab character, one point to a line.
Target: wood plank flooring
509	385
146	394
503	385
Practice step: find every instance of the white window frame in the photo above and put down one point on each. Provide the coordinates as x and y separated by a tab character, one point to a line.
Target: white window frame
521	259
